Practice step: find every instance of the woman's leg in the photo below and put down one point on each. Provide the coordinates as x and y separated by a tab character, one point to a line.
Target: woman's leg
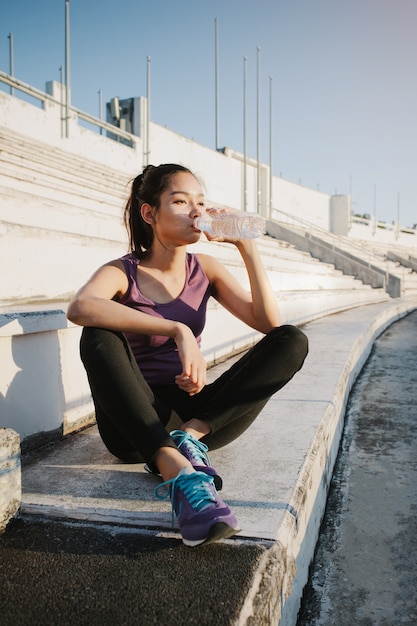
130	417
231	403
131	425
238	395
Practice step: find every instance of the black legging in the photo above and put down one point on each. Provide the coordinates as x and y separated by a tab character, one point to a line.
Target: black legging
134	418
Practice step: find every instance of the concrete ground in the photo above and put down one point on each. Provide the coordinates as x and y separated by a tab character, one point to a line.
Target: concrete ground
365	569
93	546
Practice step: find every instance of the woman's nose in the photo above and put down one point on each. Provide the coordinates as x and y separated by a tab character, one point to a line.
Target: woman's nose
196	211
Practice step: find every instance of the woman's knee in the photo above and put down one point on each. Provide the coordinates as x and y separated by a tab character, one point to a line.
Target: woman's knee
102	344
299	340
97	338
293	341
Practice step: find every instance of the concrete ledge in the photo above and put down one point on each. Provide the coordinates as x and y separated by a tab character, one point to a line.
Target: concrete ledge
38	319
10	476
358	331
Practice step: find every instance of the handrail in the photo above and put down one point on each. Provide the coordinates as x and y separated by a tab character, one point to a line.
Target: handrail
317	244
351	244
24	87
313	229
43	97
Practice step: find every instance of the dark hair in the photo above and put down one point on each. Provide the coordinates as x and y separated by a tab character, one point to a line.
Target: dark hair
147	188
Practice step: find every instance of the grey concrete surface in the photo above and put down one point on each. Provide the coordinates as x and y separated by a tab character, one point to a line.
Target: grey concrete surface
365	569
92	531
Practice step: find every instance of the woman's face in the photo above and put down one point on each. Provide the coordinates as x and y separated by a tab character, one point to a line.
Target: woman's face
180	204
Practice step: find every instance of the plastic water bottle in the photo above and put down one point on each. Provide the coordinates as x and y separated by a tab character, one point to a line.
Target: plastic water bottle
231	224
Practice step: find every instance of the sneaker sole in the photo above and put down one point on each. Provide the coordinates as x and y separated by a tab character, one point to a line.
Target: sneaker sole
218	531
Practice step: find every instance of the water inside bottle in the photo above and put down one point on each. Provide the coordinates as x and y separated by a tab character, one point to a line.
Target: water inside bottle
232	224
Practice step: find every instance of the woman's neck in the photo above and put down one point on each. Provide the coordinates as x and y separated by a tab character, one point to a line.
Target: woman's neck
165	259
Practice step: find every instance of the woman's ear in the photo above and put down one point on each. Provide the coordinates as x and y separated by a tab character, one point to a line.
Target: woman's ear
147	213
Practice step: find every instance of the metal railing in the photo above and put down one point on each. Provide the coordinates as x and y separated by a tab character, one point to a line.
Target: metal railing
42	97
345	254
339	240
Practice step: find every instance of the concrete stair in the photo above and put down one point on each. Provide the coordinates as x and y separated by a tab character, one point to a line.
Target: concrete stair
377	254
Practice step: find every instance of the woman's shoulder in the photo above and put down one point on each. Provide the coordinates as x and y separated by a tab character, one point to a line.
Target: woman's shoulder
210	265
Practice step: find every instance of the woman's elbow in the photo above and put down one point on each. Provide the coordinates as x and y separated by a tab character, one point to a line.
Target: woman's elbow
75	312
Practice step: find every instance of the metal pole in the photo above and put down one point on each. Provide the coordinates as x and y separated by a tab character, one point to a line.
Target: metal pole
61	90
270	144
374	229
245	183
398	214
216	73
258	134
398	208
350	203
10	37
148	109
67	68
100	109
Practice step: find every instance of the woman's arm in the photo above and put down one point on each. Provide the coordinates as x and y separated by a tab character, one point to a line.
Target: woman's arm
258	309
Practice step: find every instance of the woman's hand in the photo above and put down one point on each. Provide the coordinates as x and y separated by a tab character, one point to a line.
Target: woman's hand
193	376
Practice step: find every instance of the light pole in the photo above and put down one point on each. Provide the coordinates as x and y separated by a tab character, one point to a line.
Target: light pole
61	93
100	109
245	183
216	80
148	108
270	145
67	68
11	58
398	214
258	133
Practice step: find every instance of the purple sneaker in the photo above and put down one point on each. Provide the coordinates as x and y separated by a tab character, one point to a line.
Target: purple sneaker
202	516
196	452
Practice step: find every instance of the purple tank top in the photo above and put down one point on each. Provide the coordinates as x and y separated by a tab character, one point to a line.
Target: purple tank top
156	355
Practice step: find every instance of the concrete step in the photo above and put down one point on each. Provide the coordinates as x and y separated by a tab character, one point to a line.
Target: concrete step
56	184
32	156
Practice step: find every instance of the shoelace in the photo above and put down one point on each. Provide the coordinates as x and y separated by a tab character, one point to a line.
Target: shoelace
196	448
197	488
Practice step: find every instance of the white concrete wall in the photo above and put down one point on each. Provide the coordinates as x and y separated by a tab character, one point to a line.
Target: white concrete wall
301	202
43	387
44	124
365	230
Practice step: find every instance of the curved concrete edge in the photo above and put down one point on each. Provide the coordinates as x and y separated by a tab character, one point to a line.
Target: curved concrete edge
10	476
277	586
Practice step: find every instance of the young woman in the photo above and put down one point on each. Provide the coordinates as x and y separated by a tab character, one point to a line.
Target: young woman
143	316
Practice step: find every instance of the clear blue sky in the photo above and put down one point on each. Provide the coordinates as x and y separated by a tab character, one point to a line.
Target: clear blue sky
344	79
